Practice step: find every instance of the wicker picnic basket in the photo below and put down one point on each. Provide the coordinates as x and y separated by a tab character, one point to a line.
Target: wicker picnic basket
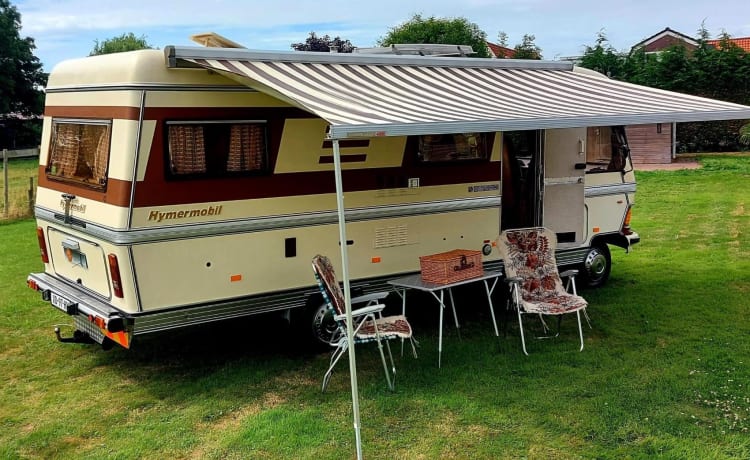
451	266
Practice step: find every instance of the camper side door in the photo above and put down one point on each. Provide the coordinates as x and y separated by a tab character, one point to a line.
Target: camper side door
564	169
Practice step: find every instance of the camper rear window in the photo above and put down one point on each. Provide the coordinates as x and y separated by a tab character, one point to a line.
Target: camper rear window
453	147
216	148
606	149
79	152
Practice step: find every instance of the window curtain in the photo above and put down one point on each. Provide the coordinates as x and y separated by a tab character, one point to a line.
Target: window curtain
246	148
187	149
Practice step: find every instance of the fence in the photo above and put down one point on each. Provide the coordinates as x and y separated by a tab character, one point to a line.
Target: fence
18	183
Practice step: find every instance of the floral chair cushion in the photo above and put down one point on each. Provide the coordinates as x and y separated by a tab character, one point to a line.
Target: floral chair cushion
529	254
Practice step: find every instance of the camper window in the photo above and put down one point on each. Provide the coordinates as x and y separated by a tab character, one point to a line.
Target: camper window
216	148
453	147
79	152
606	149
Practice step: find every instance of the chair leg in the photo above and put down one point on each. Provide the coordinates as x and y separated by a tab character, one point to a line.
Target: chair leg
385	365
393	365
580	329
337	354
413	346
520	326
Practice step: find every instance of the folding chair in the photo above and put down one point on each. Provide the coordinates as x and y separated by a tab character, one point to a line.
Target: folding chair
535	284
368	323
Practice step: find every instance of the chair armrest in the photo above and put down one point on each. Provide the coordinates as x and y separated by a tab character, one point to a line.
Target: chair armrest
370	309
513	279
569	273
370	297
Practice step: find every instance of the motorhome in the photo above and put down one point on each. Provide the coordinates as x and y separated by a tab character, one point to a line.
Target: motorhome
192	185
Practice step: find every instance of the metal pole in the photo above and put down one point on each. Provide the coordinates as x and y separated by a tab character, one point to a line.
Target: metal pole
347	296
5	183
31	195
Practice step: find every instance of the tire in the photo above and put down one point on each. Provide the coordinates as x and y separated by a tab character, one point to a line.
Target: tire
322	326
313	324
596	266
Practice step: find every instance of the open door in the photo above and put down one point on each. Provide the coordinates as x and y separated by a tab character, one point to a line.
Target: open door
522	174
563	196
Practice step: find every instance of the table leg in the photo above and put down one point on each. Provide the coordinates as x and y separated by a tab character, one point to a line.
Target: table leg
455	316
489	300
440	330
403	312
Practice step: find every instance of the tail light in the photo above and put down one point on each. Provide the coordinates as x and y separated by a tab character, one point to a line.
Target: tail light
42	244
114	273
626	223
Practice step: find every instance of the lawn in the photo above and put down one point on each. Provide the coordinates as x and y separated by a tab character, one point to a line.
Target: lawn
664	373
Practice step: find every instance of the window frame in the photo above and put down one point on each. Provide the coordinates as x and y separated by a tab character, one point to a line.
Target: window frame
101	185
213	173
486	148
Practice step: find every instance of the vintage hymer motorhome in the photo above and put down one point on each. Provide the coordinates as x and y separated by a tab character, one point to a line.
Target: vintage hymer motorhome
191	185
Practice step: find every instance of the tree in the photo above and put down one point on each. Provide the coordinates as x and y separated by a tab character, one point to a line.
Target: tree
603	58
125	42
21	76
502	39
324	44
527	49
449	31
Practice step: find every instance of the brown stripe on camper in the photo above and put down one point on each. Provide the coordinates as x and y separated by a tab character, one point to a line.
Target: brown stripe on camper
157	191
117	192
101	112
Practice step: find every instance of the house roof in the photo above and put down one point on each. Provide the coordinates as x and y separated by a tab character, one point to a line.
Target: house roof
667	32
363	95
501	52
742	42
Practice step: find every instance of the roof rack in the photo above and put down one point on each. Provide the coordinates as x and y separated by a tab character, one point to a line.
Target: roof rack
420	49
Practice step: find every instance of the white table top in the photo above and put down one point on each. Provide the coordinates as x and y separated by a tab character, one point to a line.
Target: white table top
415	281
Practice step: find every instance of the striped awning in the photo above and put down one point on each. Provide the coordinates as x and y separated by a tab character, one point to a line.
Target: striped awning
365	95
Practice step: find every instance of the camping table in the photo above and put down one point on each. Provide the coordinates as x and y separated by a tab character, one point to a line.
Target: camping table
438	290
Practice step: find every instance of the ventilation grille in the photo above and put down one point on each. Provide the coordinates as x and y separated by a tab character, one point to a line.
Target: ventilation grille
387	237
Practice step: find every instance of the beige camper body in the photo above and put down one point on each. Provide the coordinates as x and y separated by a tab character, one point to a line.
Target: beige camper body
141	230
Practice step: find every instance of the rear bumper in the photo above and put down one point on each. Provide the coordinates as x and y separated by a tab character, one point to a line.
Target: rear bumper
633	238
78	303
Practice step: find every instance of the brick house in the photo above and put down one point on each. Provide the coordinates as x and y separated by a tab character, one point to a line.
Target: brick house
664	39
500	52
742	42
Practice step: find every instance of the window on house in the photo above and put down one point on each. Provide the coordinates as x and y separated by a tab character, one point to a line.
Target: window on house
606	149
79	152
454	147
216	148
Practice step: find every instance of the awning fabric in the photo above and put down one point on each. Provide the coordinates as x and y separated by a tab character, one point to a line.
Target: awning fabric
365	95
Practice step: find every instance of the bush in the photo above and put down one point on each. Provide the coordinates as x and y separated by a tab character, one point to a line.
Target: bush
710	136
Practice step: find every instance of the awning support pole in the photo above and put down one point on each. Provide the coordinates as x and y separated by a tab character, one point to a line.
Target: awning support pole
347	296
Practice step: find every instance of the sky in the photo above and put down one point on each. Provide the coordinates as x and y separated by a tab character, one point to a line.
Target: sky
65	29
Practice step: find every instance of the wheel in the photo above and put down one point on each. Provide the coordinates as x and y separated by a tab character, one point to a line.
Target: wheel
322	325
596	266
313	324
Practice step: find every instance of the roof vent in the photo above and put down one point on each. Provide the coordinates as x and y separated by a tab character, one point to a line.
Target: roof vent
214	40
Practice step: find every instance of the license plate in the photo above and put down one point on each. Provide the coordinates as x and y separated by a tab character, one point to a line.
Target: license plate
60	302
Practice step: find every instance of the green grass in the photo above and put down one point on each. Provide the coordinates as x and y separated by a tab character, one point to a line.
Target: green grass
664	373
19	172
